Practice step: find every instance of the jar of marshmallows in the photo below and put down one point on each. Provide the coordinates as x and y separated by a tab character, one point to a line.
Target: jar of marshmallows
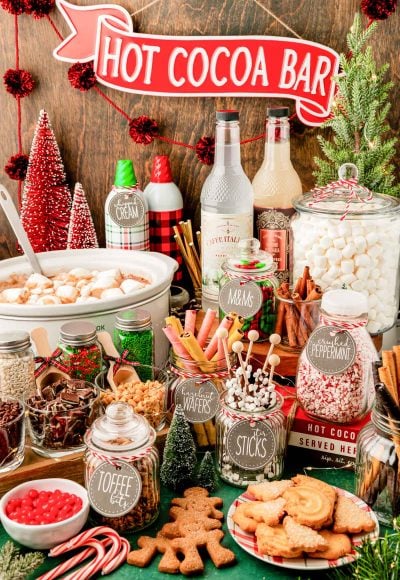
350	238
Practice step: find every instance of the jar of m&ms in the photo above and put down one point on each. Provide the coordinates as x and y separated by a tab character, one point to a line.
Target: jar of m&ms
80	350
247	287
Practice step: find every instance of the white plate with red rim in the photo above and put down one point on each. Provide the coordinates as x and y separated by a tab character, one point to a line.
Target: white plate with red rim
249	541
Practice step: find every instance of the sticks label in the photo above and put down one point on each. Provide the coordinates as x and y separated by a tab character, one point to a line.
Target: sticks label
250	445
331	351
199	400
242	297
114	489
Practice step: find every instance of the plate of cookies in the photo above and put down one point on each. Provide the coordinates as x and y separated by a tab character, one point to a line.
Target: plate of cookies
301	523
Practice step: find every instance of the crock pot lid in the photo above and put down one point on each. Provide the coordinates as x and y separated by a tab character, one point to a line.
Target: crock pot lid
14	341
120	429
78	331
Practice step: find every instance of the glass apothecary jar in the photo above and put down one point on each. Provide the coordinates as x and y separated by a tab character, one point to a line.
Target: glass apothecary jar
134	333
377	466
81	352
122	470
12	433
350	237
247	287
334	376
17	366
250	445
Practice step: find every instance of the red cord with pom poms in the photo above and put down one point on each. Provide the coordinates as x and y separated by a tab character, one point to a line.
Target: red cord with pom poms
81	76
143	130
16	7
16	166
378	9
205	150
18	82
41	8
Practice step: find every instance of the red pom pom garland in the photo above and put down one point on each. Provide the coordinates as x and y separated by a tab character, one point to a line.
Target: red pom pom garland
41	8
16	7
143	130
378	9
18	82
81	76
205	150
17	166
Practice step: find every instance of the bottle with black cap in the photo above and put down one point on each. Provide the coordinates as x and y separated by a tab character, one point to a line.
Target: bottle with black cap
275	185
226	205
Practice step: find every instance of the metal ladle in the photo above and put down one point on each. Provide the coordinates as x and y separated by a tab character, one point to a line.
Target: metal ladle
13	218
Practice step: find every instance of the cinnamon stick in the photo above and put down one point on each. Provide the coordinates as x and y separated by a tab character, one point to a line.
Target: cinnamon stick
291	324
305	315
303	285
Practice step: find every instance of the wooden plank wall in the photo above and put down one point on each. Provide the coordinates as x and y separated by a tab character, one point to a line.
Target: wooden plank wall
92	136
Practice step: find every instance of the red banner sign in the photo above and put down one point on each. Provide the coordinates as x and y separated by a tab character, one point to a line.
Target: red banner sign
190	66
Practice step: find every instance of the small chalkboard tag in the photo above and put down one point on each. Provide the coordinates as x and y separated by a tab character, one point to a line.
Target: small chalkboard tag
242	297
250	445
127	209
114	489
331	351
199	400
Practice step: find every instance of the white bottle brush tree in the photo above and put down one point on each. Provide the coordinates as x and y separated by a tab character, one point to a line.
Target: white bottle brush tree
359	122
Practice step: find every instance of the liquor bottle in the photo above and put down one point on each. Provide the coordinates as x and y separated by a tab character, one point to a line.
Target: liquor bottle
126	211
226	205
165	205
275	185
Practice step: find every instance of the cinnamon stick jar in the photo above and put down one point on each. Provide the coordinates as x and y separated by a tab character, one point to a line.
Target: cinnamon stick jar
334	377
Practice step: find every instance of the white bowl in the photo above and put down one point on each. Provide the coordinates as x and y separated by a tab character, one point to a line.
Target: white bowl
43	537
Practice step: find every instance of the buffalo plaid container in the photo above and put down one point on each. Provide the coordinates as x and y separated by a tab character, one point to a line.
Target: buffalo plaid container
126	212
165	210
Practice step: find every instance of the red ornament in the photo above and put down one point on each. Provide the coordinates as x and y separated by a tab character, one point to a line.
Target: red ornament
81	232
18	82
205	150
16	7
378	9
41	8
81	76
143	130
16	166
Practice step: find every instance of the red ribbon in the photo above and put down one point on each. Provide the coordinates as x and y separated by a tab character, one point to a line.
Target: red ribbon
349	188
47	361
122	360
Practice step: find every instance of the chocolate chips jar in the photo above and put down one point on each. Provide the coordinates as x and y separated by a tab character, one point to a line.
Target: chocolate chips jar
12	434
122	470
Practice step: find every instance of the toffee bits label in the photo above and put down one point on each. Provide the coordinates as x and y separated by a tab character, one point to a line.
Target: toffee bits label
199	400
127	210
241	296
330	350
114	489
250	445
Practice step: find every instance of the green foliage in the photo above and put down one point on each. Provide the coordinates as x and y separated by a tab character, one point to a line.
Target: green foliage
179	459
207	476
358	126
14	566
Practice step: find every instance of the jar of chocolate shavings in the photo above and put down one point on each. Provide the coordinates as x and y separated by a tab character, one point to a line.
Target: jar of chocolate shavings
122	470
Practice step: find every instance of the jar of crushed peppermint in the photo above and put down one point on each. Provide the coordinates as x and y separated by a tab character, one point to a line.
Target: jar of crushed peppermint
334	376
17	366
81	352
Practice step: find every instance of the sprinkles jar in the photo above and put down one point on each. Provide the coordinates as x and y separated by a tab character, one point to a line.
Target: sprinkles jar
122	470
81	352
334	376
134	333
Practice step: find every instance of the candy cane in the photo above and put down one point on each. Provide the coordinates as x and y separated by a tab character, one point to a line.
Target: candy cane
119	559
92	567
81	538
116	541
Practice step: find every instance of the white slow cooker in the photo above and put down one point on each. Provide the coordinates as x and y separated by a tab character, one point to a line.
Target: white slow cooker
157	268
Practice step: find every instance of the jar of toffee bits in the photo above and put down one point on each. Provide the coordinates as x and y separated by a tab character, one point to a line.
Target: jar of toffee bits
17	366
80	350
334	375
134	333
122	470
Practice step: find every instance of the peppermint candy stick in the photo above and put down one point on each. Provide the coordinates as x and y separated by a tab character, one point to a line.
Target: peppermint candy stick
119	559
92	567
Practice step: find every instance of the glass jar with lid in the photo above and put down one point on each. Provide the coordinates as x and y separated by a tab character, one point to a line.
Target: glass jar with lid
134	333
350	238
122	469
17	366
334	376
80	350
247	287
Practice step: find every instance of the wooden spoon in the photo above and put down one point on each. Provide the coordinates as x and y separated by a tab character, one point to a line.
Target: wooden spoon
125	373
52	373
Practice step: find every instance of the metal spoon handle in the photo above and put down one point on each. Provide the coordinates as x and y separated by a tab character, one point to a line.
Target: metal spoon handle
13	217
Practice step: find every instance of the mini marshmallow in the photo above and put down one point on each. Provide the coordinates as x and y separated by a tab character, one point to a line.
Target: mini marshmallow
38	280
371	238
344	229
333	272
32	299
339	243
321	261
47	300
113	273
360	244
86	290
15	295
86	299
357	285
375	251
347	266
375	274
103	283
317	250
111	293
349	250
362	260
68	294
371	314
80	273
373	327
334	255
325	242
348	278
317	273
362	273
130	285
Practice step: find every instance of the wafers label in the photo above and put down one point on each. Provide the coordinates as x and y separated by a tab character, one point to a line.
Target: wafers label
127	210
114	489
199	400
330	350
250	445
241	296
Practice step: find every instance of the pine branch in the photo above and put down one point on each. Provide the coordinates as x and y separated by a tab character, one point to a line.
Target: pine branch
15	566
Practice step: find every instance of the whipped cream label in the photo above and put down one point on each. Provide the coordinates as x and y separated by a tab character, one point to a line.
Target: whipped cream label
250	445
241	296
331	350
114	489
127	209
199	400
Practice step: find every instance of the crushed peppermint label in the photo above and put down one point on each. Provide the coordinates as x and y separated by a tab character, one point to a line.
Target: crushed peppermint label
330	350
241	296
250	445
114	489
199	400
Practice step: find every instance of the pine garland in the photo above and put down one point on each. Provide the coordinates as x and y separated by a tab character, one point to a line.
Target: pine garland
15	566
359	124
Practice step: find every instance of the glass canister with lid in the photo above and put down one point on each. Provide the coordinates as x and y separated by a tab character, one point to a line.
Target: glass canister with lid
81	352
335	379
122	469
247	287
350	238
134	333
17	366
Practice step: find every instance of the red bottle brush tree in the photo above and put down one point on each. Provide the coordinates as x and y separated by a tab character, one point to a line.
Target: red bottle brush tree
46	204
81	232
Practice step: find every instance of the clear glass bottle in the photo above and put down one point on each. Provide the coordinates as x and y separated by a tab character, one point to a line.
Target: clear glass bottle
252	281
334	376
122	470
275	186
134	333
226	205
81	352
17	366
250	445
126	212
